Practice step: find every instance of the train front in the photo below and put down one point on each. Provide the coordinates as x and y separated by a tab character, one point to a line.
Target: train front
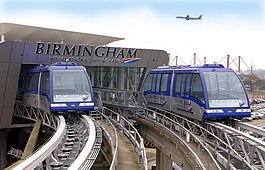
71	89
225	94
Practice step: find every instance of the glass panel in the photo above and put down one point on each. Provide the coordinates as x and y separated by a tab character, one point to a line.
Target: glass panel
45	83
178	83
32	81
154	82
187	89
158	77
224	89
164	80
196	88
148	82
70	86
183	84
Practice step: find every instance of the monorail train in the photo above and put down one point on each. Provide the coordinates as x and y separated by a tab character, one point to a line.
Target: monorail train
58	87
209	91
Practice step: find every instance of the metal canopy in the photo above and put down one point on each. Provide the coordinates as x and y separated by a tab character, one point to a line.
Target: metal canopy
16	32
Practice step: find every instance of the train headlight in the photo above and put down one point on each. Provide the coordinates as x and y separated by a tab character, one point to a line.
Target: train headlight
58	105
243	110
86	104
215	111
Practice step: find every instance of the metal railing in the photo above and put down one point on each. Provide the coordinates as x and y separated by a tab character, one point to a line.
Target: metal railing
251	149
123	98
171	125
111	133
130	131
223	152
31	113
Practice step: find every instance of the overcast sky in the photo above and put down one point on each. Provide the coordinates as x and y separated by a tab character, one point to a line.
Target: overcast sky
235	27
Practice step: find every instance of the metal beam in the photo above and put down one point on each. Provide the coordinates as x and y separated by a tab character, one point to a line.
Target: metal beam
33	140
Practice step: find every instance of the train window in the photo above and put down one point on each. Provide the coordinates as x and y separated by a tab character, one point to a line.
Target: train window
31	82
225	89
183	84
196	87
188	80
70	85
164	82
148	82
178	81
158	78
154	82
45	83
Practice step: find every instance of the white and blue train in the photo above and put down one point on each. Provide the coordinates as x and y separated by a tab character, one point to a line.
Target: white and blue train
59	87
208	91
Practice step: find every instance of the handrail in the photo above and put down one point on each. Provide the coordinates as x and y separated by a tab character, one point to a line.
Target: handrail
233	152
43	152
80	160
121	97
242	126
196	157
136	139
114	162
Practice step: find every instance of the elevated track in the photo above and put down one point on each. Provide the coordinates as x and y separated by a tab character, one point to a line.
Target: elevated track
230	147
75	143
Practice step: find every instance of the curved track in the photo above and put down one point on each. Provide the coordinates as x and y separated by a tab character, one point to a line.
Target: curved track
76	143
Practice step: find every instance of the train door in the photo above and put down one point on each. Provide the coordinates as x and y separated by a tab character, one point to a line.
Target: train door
181	86
44	90
164	91
177	102
187	103
196	97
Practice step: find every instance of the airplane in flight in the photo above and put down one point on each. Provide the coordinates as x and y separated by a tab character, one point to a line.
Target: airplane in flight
189	18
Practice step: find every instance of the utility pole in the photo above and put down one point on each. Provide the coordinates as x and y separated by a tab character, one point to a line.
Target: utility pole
227	63
194	59
239	58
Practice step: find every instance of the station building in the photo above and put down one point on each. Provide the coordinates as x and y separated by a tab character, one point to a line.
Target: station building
23	47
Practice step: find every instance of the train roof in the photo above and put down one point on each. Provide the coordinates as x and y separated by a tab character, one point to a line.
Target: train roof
204	67
47	67
192	66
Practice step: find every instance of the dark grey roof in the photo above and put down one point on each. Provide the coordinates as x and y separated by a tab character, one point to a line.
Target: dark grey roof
16	32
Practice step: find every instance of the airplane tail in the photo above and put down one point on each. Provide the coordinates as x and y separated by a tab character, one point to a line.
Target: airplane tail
200	17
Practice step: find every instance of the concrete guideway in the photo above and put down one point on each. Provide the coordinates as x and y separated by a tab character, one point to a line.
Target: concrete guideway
129	145
170	148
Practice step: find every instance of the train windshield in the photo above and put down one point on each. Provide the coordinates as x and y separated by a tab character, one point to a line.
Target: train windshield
224	89
70	86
